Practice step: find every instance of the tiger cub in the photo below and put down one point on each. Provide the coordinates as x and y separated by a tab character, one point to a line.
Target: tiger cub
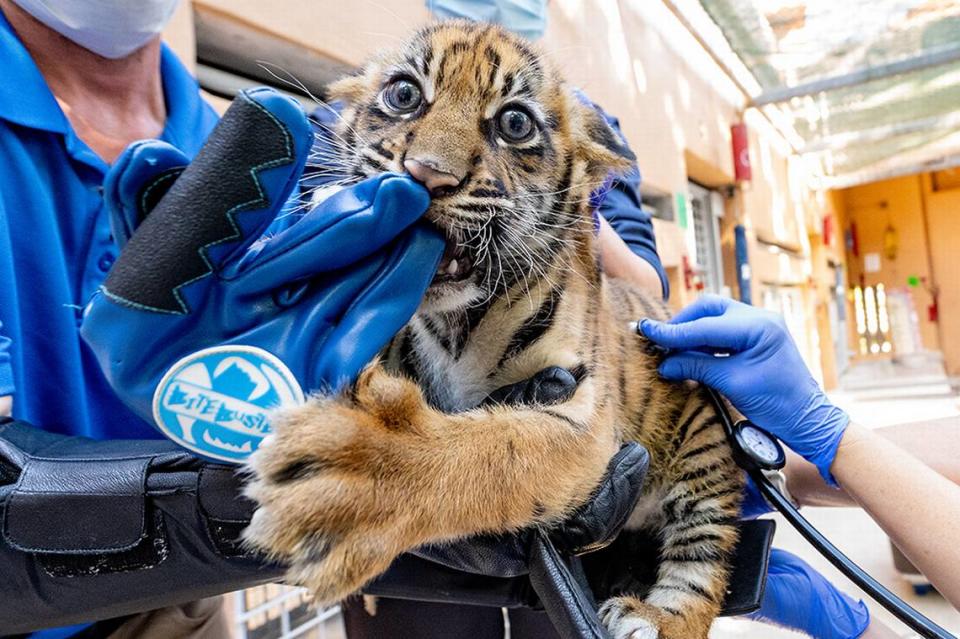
510	155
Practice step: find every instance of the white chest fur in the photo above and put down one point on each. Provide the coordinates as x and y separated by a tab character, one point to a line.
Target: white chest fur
453	383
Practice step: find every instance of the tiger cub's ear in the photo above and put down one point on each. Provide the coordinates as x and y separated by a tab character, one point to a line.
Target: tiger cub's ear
601	146
349	89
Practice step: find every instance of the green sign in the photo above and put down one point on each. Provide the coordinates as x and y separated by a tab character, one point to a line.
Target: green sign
682	210
913	281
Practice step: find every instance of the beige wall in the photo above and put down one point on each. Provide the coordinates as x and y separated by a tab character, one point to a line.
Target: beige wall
346	30
943	218
179	35
634	70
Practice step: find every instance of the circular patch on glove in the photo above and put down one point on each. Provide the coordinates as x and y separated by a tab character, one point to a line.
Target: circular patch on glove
217	401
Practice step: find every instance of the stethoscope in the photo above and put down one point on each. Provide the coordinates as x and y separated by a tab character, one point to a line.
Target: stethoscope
758	453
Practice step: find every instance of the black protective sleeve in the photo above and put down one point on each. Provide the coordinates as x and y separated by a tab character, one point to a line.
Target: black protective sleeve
95	530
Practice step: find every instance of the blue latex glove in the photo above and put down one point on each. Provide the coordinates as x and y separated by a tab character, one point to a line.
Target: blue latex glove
203	325
764	376
800	598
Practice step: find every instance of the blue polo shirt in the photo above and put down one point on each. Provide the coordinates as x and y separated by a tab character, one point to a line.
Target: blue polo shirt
56	247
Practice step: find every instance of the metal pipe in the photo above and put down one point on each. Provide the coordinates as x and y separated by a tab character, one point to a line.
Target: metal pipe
744	275
883	133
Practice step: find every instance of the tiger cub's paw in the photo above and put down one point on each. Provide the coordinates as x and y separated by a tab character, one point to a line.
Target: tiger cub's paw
630	618
333	487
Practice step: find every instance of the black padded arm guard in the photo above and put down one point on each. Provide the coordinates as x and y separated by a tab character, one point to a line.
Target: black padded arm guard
95	530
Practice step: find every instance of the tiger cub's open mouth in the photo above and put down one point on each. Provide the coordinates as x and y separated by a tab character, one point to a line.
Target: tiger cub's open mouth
456	264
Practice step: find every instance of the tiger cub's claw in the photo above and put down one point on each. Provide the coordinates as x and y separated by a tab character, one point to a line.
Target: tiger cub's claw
333	495
629	618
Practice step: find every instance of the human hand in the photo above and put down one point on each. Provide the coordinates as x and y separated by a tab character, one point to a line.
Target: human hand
762	373
800	598
203	325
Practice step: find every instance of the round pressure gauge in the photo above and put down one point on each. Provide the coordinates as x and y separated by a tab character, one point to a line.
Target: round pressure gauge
759	447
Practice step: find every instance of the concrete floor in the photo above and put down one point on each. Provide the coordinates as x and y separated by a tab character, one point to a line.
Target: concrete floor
875	394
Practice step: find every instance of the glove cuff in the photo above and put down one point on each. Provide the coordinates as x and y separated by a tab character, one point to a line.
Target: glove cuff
825	425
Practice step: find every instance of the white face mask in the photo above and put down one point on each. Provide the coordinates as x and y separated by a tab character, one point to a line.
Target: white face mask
527	18
111	28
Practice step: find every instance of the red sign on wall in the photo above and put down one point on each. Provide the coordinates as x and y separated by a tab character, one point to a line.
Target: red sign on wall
828	230
741	153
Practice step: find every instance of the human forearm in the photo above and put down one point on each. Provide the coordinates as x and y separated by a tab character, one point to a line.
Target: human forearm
917	507
935	443
6	406
620	262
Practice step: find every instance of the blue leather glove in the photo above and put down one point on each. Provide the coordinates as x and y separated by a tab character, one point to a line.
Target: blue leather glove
800	598
204	325
763	375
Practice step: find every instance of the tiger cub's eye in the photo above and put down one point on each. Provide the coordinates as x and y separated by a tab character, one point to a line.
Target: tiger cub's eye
403	96
515	125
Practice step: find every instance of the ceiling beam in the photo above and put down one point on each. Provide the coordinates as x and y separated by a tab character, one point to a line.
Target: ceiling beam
882	133
927	60
864	176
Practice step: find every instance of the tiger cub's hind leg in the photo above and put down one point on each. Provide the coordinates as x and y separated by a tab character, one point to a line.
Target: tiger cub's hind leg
698	538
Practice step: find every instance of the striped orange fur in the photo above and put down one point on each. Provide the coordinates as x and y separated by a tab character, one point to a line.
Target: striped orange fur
411	456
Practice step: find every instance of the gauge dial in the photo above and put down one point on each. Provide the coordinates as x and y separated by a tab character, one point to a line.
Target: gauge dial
760	445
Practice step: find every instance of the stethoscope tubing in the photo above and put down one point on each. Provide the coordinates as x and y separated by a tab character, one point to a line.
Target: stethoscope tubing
897	606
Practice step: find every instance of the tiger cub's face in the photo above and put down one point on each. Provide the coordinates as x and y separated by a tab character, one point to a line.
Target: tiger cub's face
508	152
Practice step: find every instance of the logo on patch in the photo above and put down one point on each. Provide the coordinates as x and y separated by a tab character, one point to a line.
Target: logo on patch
217	401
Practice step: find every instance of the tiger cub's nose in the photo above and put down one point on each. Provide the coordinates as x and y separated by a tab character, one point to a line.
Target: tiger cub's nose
438	182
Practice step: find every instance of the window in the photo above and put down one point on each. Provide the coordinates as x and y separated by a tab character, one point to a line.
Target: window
873	325
705	207
658	205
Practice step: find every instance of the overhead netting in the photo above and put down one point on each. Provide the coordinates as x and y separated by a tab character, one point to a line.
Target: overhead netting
863	83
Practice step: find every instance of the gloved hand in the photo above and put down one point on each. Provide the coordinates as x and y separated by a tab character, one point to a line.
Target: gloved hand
800	598
203	325
763	375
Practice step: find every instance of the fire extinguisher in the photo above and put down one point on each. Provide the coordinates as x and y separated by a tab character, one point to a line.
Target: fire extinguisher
691	280
933	311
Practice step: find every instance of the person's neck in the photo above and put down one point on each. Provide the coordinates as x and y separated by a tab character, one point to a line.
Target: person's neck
109	103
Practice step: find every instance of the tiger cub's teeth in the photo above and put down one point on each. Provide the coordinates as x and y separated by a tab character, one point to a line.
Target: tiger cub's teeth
452	267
